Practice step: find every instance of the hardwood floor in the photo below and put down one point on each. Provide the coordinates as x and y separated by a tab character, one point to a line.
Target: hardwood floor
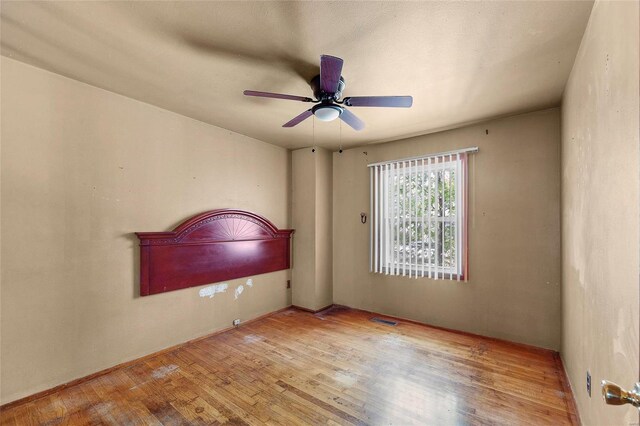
334	367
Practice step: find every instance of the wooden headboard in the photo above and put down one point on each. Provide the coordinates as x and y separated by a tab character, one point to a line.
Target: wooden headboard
213	246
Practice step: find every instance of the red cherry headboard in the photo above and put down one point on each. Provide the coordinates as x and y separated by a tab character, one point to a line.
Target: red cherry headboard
213	246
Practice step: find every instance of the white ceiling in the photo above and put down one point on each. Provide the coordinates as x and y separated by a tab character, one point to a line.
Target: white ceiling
461	61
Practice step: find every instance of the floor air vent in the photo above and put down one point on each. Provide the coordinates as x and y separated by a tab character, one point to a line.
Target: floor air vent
384	321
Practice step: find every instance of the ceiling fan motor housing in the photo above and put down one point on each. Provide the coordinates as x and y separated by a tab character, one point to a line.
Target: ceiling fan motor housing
322	96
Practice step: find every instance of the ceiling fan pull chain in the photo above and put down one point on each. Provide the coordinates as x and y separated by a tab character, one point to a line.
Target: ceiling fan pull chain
313	134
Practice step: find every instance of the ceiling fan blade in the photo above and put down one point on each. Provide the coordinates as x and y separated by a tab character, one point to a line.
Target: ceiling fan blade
300	118
353	121
276	96
330	71
379	101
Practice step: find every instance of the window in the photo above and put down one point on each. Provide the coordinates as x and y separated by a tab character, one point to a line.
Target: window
418	226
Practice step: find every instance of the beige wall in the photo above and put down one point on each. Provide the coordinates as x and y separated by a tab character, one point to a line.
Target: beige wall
600	217
324	228
82	169
514	233
303	216
312	219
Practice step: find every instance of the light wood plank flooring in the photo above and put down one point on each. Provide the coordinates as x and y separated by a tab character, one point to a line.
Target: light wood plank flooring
334	367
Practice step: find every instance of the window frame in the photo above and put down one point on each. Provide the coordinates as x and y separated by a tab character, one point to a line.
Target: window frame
412	266
445	271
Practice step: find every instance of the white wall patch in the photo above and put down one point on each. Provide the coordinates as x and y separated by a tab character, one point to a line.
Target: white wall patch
250	282
212	290
239	291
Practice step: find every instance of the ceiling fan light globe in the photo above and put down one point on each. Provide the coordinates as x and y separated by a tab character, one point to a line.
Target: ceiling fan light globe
327	112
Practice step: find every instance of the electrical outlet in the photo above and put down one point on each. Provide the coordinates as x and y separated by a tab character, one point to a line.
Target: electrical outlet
589	383
236	322
288	283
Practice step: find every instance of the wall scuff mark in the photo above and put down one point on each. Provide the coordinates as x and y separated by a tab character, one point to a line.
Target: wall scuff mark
212	290
250	282
239	291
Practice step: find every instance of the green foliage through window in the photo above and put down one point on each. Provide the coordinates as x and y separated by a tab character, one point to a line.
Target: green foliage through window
423	212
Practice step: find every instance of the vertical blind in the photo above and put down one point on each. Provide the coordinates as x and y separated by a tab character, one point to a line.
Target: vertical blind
418	207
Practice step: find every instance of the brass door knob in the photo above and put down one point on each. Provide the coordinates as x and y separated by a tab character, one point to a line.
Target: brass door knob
615	395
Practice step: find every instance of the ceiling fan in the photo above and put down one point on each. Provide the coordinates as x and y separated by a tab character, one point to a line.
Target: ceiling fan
327	90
